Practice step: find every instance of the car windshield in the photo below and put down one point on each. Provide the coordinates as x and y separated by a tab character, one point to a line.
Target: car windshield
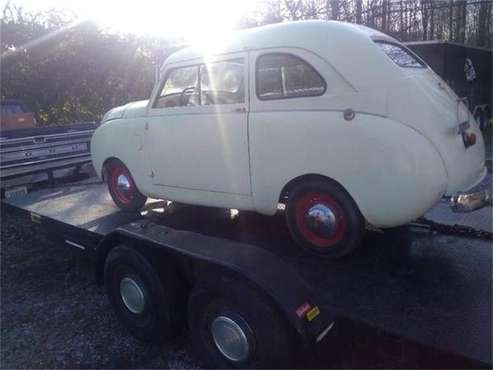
8	109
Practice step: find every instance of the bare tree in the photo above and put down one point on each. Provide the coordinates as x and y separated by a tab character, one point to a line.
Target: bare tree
431	34
359	5
424	18
482	29
467	21
385	5
460	22
334	8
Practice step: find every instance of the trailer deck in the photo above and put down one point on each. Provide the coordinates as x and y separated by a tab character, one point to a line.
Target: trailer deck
433	289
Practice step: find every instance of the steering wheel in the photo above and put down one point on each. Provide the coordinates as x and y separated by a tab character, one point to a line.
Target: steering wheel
182	95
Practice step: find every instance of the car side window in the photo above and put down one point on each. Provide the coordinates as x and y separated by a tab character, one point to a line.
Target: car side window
281	76
222	82
180	88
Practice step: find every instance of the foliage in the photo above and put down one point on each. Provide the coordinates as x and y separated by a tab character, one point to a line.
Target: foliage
72	71
67	70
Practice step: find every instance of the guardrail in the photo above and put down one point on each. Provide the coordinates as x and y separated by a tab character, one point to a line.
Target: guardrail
43	149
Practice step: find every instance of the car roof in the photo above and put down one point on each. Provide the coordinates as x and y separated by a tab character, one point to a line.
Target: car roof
349	48
299	34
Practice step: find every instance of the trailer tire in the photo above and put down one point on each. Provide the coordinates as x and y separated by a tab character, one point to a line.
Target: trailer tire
270	340
310	204
145	301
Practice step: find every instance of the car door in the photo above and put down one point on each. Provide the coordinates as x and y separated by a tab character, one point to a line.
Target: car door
197	127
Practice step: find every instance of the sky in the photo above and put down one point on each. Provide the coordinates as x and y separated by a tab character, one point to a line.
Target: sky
191	20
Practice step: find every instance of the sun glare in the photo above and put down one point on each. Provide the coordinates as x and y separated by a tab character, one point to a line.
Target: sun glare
204	23
197	22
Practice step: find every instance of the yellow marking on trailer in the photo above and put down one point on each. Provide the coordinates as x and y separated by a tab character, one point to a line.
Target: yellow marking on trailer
35	218
314	312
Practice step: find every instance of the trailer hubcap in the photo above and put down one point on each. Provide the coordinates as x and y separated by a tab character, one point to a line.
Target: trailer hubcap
132	295
230	339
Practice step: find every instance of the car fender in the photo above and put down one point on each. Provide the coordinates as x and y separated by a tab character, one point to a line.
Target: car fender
393	172
121	139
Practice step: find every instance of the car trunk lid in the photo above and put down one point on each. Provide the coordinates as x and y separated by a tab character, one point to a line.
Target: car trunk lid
423	101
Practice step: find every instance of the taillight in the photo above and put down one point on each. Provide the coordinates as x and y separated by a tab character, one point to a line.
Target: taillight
468	138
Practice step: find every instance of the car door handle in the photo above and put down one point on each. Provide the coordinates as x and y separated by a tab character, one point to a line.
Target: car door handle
240	110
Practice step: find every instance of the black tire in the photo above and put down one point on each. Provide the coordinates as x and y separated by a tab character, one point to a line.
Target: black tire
161	316
271	341
130	200
344	233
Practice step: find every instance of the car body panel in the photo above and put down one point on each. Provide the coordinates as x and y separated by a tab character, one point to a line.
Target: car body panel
380	166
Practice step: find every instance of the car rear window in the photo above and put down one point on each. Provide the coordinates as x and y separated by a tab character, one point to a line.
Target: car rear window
400	55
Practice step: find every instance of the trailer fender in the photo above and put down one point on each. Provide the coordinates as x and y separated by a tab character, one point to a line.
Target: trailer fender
281	282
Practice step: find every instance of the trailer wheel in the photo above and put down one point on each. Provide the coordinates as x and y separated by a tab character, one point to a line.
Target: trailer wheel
323	219
238	328
145	302
122	188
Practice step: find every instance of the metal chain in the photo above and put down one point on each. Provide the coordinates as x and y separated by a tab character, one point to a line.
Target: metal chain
459	230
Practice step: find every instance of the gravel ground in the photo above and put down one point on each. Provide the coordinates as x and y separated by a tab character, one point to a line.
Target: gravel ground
53	315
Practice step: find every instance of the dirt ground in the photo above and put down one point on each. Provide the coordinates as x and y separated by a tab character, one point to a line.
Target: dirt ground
53	315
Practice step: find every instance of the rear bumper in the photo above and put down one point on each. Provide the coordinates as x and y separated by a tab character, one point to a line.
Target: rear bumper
476	196
471	201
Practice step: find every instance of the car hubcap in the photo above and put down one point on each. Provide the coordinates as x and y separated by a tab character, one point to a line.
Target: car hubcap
132	295
320	219
122	184
230	339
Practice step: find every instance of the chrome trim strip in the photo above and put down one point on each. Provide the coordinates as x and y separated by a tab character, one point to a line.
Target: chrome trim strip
75	244
16	140
45	145
45	160
325	332
43	153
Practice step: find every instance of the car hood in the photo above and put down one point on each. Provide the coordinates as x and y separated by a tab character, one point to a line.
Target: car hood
130	110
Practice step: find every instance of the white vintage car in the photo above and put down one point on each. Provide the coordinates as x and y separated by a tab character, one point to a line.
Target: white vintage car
340	122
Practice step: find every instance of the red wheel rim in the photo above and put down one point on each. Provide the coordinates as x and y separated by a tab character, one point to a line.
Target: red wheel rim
122	184
320	219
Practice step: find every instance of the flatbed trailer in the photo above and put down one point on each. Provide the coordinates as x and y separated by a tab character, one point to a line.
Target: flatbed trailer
432	289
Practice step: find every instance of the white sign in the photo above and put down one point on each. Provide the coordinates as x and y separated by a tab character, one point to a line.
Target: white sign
469	70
